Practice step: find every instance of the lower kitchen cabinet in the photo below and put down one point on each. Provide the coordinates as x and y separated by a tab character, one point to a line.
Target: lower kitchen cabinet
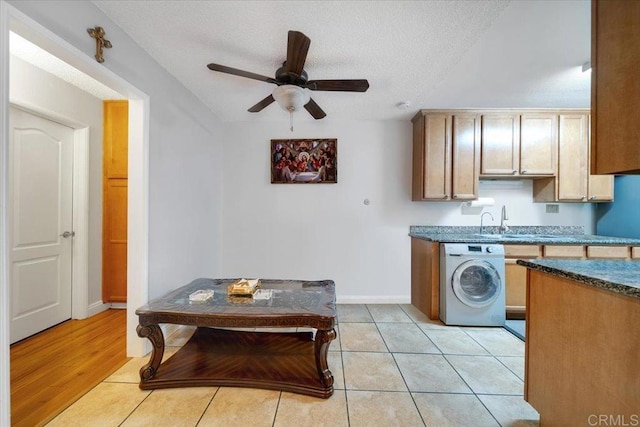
581	353
516	275
425	271
425	277
516	278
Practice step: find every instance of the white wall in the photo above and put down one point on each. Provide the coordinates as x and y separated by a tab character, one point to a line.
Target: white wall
31	86
325	231
185	157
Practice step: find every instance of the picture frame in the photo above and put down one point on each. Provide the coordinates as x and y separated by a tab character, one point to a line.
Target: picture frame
304	161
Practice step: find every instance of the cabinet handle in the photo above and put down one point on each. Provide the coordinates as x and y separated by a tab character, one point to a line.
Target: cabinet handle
583	197
445	197
592	198
514	172
523	172
455	196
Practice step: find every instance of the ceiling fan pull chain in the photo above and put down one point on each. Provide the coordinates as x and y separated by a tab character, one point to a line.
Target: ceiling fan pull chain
291	118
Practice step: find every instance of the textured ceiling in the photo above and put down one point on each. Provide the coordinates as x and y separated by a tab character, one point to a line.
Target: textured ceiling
434	54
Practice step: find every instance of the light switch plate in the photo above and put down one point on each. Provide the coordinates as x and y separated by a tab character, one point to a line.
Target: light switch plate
553	208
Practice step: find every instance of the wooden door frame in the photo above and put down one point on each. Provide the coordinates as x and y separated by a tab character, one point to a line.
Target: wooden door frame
12	19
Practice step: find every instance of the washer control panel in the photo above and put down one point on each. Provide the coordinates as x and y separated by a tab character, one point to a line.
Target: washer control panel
472	249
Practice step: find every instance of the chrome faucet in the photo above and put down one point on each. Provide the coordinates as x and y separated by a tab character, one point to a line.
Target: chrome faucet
503	227
481	218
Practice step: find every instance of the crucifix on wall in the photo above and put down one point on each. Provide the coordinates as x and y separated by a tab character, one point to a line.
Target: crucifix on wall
98	34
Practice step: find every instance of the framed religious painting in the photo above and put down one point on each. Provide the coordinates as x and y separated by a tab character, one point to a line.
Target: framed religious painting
304	161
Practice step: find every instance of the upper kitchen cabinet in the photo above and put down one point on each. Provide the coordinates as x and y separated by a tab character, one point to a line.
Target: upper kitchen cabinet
500	144
615	87
519	145
573	182
445	156
538	143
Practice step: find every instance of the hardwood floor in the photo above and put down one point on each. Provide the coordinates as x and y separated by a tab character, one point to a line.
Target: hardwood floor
52	369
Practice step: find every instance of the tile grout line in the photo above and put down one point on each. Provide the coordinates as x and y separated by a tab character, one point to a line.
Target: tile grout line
495	357
415	404
472	390
463	380
134	409
275	414
207	407
344	379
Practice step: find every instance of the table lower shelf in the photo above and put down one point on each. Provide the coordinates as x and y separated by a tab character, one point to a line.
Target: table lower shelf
219	357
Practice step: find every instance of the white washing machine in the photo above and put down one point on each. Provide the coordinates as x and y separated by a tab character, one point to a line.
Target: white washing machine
472	289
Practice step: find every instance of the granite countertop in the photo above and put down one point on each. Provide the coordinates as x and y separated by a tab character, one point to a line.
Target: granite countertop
554	235
617	276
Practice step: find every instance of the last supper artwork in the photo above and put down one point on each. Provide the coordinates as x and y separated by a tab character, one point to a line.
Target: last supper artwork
304	161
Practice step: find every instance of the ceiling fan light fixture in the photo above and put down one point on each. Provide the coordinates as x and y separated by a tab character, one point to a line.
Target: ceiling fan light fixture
291	97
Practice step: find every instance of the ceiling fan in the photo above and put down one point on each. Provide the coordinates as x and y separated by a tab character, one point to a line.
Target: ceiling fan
292	79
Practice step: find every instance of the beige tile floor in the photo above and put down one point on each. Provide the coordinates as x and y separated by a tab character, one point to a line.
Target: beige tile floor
391	365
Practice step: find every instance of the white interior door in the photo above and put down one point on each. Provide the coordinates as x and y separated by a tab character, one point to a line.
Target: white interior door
40	193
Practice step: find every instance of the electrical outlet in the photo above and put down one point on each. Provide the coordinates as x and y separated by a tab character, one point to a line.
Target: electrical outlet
553	208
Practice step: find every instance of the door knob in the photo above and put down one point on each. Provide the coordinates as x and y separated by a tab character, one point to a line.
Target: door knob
68	234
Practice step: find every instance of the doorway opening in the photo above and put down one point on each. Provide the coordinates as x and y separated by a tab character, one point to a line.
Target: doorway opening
137	215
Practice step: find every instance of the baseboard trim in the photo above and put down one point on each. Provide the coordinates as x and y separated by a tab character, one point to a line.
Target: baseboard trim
356	299
119	305
97	307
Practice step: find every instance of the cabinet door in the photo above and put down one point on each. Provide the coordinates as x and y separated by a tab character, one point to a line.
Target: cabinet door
601	188
114	207
615	102
437	157
538	143
515	289
573	158
465	157
500	144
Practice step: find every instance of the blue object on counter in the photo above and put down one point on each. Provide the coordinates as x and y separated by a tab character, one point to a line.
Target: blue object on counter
621	218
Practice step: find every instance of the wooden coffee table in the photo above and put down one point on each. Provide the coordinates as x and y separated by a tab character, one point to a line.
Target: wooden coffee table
218	356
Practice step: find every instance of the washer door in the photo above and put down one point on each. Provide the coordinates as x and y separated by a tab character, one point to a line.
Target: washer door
476	283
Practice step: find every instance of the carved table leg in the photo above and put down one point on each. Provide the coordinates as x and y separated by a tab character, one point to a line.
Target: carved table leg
321	347
154	333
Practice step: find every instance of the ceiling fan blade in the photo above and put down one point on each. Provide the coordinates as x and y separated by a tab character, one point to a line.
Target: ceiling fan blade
297	48
338	85
262	104
314	109
241	73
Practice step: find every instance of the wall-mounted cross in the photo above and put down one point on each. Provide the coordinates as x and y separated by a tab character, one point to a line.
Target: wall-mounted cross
98	34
